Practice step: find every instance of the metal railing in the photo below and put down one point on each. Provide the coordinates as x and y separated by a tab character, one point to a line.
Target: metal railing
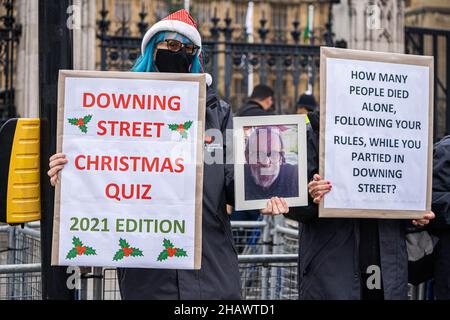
267	264
263	274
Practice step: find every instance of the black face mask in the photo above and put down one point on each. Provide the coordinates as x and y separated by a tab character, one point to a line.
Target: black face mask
177	62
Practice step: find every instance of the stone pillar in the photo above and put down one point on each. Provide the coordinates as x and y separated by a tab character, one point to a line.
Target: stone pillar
27	60
376	25
84	39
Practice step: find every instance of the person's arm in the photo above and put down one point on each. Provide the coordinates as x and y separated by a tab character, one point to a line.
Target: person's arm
311	211
227	125
441	184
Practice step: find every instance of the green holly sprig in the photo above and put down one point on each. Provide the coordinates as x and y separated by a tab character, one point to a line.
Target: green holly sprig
81	122
181	128
170	251
79	249
126	251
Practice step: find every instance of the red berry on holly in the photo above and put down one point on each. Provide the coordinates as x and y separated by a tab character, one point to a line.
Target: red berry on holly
127	251
171	251
80	122
80	250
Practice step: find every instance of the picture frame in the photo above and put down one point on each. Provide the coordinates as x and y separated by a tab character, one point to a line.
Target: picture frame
256	183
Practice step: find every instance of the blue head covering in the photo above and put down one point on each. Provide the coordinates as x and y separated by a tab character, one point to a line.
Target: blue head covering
146	63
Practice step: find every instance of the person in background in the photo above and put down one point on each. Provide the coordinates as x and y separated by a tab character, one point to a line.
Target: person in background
306	103
440	227
259	104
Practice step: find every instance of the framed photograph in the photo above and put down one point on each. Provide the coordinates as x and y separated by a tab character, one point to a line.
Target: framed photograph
270	160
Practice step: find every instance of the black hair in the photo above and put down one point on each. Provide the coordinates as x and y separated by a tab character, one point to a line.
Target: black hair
261	92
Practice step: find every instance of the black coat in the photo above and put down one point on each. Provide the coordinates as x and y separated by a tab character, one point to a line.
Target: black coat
251	109
218	277
329	247
440	226
441	185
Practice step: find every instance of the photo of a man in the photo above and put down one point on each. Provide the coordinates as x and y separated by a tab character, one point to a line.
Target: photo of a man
271	167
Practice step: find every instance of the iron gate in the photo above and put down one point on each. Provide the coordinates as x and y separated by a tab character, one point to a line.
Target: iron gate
436	43
9	37
228	55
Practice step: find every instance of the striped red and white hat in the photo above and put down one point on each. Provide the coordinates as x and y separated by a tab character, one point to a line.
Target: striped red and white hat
180	22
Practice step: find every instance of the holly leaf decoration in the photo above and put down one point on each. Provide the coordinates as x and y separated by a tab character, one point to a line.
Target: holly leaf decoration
77	242
167	244
72	253
173	127
119	255
73	121
180	253
123	243
83	129
87	118
183	134
187	125
163	255
90	251
136	253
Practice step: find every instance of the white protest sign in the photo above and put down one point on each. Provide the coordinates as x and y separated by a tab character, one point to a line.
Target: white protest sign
377	134
130	194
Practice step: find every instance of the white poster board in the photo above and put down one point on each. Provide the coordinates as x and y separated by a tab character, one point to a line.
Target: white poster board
376	133
131	192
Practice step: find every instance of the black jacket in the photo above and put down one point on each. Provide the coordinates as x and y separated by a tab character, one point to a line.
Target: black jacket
253	108
329	247
218	277
441	185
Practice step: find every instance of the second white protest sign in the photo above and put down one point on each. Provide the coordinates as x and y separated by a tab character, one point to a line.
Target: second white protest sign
376	133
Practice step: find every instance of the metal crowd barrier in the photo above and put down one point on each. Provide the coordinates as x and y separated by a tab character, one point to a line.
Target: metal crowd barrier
267	253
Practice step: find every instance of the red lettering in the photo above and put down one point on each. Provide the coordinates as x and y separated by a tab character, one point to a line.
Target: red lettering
158	128
124	128
106	162
174	106
107	100
87	95
179	163
147	187
136	129
162	104
124	163
100	125
121	101
167	165
77	164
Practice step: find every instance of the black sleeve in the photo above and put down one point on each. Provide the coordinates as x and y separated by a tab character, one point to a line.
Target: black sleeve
226	128
311	211
441	184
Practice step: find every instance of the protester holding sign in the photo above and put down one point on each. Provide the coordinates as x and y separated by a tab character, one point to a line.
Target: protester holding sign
174	45
347	258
